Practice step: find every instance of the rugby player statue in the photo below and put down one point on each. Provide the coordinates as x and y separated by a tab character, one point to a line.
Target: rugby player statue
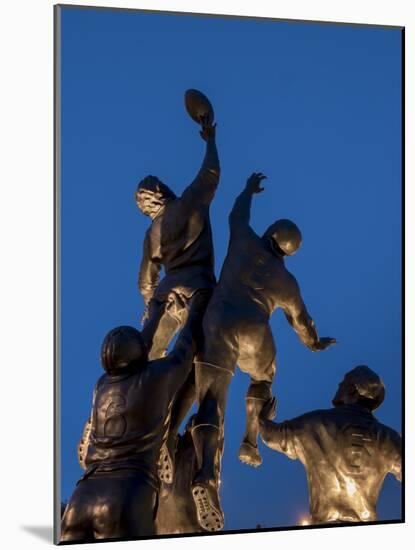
253	283
179	240
345	450
118	493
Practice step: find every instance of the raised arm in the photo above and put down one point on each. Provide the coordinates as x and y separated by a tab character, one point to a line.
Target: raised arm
277	436
241	211
149	273
171	371
203	187
298	317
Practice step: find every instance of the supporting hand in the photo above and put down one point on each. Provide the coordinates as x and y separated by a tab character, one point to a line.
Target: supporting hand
208	130
253	185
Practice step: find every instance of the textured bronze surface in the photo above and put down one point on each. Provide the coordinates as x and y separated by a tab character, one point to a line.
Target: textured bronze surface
253	283
345	450
180	241
142	478
117	495
176	511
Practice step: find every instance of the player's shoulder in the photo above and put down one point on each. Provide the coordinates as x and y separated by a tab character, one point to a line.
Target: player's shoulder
100	386
388	434
245	236
101	381
158	368
289	276
289	283
152	229
311	418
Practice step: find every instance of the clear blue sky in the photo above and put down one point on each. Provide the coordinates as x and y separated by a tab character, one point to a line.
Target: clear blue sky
315	107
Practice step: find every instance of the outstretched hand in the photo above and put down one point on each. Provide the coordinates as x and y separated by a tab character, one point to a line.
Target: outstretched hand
324	343
253	185
269	409
208	130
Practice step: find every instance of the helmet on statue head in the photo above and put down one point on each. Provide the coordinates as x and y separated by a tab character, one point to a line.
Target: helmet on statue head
285	237
123	349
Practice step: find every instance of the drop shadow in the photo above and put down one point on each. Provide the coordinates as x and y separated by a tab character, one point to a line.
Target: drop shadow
43	532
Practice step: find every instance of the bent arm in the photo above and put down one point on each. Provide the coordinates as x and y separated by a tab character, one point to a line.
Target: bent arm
150	267
396	470
203	187
298	317
396	458
278	436
188	341
174	369
303	325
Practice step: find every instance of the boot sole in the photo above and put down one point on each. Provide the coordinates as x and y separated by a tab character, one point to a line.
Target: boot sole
249	456
165	470
208	516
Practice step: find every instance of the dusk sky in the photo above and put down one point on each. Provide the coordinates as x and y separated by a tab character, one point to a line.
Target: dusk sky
317	108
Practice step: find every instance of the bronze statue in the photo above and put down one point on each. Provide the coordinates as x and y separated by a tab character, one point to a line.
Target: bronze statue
345	450
176	511
120	447
253	283
179	240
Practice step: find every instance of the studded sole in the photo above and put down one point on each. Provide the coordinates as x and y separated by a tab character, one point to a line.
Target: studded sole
165	469
208	516
250	455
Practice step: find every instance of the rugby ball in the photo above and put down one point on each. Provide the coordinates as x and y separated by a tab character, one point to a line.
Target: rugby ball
198	105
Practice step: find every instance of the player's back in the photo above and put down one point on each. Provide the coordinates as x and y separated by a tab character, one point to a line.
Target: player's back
252	275
347	454
127	429
186	236
182	235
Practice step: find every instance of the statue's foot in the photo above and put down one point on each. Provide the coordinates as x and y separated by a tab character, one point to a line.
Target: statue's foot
208	509
165	466
249	454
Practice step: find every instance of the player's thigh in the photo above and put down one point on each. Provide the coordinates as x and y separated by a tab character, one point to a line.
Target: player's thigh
77	524
199	300
220	339
258	352
127	509
212	385
140	509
